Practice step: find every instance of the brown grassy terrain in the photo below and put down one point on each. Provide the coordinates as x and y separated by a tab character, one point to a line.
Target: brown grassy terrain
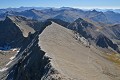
114	57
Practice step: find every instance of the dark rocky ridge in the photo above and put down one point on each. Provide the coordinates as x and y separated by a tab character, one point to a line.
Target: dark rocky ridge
11	30
89	32
9	33
60	22
104	42
84	28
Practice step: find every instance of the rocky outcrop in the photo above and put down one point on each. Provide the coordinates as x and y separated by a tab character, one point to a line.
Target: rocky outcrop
104	42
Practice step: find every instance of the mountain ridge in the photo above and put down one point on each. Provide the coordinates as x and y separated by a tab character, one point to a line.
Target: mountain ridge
70	47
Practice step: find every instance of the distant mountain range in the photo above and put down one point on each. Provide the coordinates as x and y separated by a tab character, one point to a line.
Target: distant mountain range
65	13
40	8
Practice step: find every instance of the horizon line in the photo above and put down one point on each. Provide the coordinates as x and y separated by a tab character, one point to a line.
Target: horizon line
68	7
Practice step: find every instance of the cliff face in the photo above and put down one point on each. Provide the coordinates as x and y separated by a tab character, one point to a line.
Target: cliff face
31	62
9	33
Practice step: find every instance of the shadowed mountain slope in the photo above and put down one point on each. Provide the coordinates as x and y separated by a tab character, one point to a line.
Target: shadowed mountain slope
15	28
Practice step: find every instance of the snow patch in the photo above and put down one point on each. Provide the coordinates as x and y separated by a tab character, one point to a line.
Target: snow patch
11	59
18	51
85	42
82	39
3	69
97	30
14	49
8	63
14	55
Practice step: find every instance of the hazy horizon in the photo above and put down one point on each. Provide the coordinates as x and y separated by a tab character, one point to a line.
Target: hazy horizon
65	7
82	4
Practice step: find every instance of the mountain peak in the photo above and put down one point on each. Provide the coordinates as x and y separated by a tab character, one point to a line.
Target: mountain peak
8	18
79	20
13	18
83	22
94	10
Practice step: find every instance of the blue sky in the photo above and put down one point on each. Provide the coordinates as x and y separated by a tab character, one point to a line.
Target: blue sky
61	3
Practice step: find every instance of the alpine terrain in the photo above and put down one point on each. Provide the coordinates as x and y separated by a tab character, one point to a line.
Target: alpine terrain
59	44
